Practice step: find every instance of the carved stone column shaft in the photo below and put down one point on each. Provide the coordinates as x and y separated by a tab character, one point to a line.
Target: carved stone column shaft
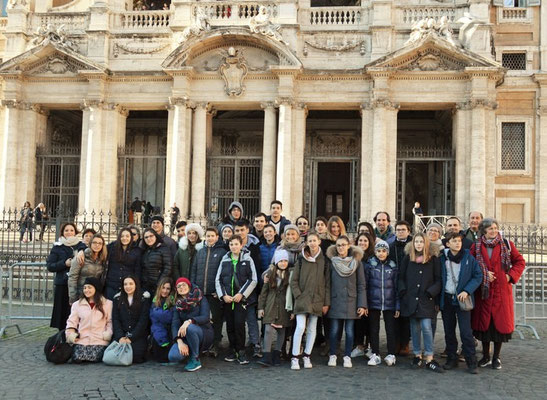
267	185
199	160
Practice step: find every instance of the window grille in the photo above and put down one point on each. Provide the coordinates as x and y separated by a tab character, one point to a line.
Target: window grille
513	146
514	61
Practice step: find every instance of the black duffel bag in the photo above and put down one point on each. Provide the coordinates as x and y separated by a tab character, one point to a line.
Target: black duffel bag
57	350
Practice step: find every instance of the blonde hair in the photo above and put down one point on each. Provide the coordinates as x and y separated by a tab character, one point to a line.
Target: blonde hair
103	254
413	254
170	300
338	220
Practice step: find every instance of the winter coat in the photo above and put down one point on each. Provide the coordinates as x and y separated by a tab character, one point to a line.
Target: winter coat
200	315
310	285
266	255
95	329
156	264
469	277
160	327
57	258
272	301
381	281
499	304
205	266
397	251
348	293
283	222
388	235
228	219
244	281
253	246
419	285
466	242
131	322
130	263
78	273
170	244
294	250
183	258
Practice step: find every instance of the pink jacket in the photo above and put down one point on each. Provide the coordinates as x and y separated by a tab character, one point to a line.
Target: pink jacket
94	328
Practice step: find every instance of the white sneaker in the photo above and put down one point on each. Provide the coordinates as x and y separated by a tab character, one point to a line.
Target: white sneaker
357	352
332	361
368	353
374	360
295	365
390	360
307	362
347	362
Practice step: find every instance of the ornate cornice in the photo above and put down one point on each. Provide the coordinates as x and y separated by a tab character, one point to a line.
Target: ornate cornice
477	103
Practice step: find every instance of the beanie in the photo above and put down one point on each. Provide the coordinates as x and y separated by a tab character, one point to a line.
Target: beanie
185	280
280	255
382	244
95	282
157	218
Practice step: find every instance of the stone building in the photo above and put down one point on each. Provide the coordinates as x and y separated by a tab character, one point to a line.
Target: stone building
331	106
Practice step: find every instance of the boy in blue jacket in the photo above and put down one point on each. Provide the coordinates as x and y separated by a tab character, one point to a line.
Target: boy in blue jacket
461	276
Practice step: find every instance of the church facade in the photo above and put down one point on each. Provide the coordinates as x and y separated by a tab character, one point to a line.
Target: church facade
332	107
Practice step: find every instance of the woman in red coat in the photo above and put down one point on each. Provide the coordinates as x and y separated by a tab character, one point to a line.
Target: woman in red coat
502	265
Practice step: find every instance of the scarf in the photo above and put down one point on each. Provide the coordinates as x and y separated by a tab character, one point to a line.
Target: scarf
386	234
192	299
70	241
344	266
306	253
457	259
505	260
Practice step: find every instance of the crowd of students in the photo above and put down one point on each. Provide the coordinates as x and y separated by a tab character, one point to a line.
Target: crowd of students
306	284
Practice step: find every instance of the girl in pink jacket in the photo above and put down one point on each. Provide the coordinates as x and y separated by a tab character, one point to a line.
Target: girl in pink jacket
89	326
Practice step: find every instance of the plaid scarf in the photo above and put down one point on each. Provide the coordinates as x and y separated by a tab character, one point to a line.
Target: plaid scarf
505	259
192	299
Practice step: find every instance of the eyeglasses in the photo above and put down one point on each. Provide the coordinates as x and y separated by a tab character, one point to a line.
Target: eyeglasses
134	234
97	243
302	223
149	237
401	230
342	244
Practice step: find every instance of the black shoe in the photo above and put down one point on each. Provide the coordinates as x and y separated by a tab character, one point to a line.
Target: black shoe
276	358
496	363
417	362
231	357
451	363
485	362
266	360
213	351
257	351
472	365
434	366
241	358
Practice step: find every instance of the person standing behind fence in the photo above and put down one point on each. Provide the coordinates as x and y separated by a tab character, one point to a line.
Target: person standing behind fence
124	258
156	223
136	207
156	260
93	266
493	318
59	261
41	217
26	222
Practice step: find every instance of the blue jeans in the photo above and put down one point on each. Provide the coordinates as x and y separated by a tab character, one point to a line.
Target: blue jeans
252	325
450	313
193	338
335	326
419	326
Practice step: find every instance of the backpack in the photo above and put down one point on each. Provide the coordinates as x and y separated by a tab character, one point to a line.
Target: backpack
56	349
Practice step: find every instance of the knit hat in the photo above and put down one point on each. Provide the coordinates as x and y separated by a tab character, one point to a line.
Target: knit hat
381	244
435	225
183	279
226	226
95	282
289	227
280	255
157	218
196	228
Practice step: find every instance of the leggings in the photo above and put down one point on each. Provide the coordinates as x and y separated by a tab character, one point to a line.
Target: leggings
269	335
301	325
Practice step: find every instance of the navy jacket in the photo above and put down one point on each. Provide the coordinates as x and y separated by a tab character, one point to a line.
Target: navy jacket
205	266
266	255
381	283
119	267
282	225
199	316
161	319
57	258
469	278
244	281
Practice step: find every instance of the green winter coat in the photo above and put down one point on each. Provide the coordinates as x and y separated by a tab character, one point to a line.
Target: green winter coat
310	284
183	259
272	301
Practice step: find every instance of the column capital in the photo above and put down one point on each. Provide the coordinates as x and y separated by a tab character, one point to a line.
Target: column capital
384	103
284	101
542	111
202	104
11	103
267	104
118	108
177	101
477	103
88	104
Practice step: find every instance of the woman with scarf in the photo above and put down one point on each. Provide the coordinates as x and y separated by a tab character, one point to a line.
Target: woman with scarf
60	261
492	319
191	326
336	227
189	245
348	295
292	242
303	225
327	239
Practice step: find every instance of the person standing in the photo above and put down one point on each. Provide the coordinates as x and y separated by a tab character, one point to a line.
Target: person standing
189	245
157	224
174	214
474	220
383	228
181	229
41	218
156	260
94	265
259	222
27	216
234	213
268	244
136	207
453	224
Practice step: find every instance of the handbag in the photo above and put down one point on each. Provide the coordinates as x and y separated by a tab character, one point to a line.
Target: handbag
56	349
467	304
118	354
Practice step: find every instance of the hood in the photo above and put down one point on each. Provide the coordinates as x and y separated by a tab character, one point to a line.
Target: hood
354	251
306	253
251	239
195	227
232	205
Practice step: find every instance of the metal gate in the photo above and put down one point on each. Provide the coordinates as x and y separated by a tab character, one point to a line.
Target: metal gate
58	177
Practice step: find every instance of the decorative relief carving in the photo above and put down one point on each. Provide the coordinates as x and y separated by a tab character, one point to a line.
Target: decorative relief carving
56	64
477	103
177	101
201	24
430	26
384	103
334	145
17	4
331	44
137	48
262	24
284	101
56	35
233	71
430	60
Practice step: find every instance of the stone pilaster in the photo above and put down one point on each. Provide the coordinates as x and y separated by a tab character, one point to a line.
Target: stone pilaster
541	146
461	143
299	143
199	159
284	153
367	119
267	181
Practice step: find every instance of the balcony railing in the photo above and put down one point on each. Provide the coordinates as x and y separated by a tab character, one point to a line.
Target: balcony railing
514	15
332	18
408	15
143	20
73	22
233	13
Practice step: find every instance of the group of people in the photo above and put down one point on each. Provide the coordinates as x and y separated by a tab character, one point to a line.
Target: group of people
31	218
306	284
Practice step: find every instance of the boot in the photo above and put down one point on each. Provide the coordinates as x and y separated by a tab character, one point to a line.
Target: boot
266	359
276	358
404	350
451	362
471	364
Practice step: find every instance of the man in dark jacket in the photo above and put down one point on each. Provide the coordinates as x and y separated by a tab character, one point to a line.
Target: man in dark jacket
474	220
383	228
260	221
203	273
453	224
156	223
276	219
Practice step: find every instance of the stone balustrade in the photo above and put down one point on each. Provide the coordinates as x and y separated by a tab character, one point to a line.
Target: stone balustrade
408	16
332	18
3	23
73	21
142	20
234	13
514	14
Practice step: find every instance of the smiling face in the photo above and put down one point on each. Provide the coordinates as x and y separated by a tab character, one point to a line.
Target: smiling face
492	231
192	236
97	245
453	225
474	220
433	233
342	247
320	227
89	291
269	233
259	223
183	289
303	225
69	231
235	247
125	238
291	236
157	226
381	254
129	286
149	238
211	238
165	290
382	222
313	243
227	233
283	264
335	229
363	243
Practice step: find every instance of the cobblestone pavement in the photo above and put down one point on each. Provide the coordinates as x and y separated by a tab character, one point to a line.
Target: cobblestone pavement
25	374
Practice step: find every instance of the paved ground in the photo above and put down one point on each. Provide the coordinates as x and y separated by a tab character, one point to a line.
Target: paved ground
24	374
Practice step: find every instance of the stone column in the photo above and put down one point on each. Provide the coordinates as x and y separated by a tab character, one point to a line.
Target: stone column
9	157
267	180
284	153
114	132
299	145
177	176
541	147
460	145
199	160
367	117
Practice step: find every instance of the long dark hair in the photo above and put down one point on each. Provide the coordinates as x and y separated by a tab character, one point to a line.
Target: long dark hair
272	277
369	252
136	296
158	238
120	254
97	299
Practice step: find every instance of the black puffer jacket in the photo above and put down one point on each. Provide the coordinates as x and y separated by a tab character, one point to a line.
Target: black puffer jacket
205	266
130	262
156	264
56	261
131	321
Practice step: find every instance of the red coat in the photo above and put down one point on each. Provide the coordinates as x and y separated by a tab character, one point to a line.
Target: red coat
499	304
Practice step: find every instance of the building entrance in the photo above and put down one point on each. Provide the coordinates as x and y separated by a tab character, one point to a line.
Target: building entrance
334	189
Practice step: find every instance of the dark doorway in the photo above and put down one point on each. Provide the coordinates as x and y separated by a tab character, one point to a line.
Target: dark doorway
417	187
334	189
